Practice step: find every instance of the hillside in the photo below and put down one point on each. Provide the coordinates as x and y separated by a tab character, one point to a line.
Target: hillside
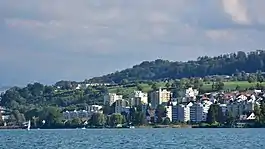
226	64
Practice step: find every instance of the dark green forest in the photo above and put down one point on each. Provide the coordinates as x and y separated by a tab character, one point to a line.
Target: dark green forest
226	64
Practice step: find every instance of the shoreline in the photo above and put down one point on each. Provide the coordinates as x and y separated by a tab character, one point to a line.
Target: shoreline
136	127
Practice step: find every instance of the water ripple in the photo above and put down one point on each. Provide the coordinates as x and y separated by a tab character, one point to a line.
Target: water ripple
133	139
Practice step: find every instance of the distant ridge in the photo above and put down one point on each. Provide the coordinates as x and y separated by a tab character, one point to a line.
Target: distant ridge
226	64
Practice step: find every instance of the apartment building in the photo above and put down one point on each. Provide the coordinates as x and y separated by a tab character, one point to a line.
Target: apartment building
181	113
160	96
110	98
199	111
85	114
121	106
139	98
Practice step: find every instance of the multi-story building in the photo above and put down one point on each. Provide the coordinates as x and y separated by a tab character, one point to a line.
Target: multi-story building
121	106
139	98
169	112
110	98
68	115
86	114
181	112
224	108
239	108
159	97
191	94
94	108
199	111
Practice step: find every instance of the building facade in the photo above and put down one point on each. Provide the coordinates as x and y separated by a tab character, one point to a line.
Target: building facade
159	97
110	98
199	111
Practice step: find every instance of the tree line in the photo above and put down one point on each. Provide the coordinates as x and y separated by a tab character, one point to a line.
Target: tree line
226	64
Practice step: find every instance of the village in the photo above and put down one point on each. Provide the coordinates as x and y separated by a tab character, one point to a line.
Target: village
192	108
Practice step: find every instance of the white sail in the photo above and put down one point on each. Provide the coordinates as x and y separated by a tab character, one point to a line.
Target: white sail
29	125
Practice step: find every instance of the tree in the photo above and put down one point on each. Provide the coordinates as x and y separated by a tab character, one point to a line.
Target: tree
116	118
1	120
237	87
229	119
218	86
214	114
198	83
257	113
168	85
176	84
76	122
108	120
52	116
139	118
260	78
98	119
19	117
160	113
139	87
166	121
252	78
262	113
155	86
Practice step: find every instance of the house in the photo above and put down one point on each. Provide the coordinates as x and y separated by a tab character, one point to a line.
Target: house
247	117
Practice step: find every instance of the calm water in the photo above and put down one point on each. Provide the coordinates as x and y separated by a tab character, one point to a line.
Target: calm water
133	139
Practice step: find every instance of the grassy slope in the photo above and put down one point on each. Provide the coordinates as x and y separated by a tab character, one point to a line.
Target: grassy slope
228	85
233	85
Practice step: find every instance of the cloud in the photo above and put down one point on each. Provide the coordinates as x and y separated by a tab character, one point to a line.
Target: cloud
237	10
66	39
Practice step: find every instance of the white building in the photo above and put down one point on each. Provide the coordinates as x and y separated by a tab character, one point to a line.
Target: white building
68	115
94	108
159	97
110	98
191	93
169	112
86	114
138	98
199	111
121	106
246	117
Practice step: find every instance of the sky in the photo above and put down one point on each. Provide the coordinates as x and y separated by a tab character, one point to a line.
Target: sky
50	40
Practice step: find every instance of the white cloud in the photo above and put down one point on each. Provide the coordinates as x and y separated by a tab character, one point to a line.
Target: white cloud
237	10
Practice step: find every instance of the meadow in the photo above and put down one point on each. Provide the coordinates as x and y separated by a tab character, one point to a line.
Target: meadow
231	85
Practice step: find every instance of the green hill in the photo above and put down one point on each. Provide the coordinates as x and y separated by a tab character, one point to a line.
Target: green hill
226	64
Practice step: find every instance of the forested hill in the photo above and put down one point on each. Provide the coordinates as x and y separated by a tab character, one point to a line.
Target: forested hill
226	64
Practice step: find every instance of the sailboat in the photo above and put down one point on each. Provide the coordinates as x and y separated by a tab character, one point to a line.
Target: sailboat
29	125
85	125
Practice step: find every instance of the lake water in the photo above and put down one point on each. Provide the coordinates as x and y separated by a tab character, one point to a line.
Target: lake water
133	139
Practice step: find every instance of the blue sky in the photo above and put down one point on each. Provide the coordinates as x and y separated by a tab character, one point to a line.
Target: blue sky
51	40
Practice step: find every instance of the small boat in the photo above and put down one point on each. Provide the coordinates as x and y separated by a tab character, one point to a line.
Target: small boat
29	124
